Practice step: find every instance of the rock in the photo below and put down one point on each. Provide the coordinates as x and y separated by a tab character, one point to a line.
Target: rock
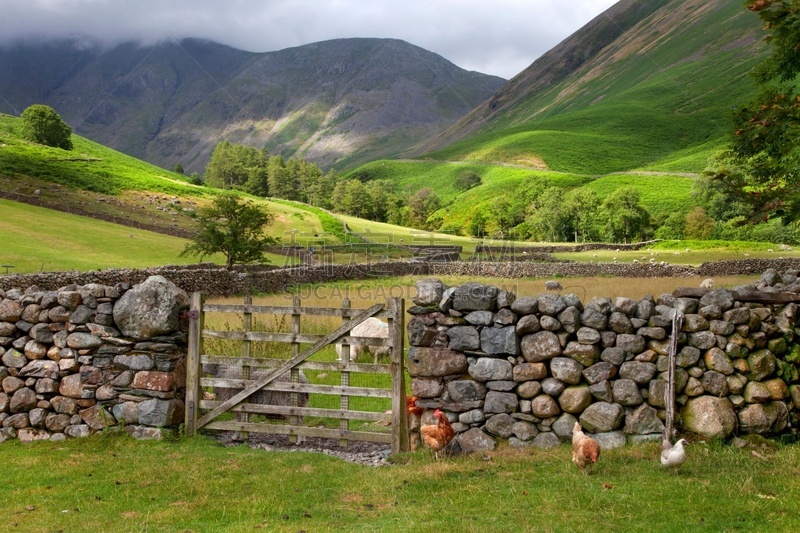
778	390
620	323
570	319
761	363
552	386
526	305
721	298
156	412
500	402
134	362
613	355
643	420
56	423
490	369
585	354
527	324
709	416
22	400
575	399
14	359
524	431
763	418
638	371
529	371
702	340
64	405
126	412
480	318
465	391
475	440
688	356
436	361
633	344
78	431
540	346
715	383
97	418
428	292
602	391
474	416
551	304
626	392
496	341
40	369
26	435
461	338
602	417
546	441
474	296
611	440
563	426
566	370
599	372
544	406
10	310
500	425
83	341
150	308
529	389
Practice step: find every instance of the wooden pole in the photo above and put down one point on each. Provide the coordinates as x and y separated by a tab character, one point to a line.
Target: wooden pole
194	350
396	308
294	398
247	326
677	324
344	401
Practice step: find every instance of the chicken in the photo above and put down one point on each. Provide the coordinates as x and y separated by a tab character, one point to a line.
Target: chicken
672	457
411	406
437	436
585	450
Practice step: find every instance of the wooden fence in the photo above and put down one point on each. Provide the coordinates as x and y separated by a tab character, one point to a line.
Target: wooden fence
204	413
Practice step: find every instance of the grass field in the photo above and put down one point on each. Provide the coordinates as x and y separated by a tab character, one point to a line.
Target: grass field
112	483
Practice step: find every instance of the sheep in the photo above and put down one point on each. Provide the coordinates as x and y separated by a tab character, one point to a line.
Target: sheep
553	286
707	283
371	327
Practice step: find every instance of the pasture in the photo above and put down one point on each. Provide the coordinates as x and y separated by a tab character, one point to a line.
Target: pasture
113	483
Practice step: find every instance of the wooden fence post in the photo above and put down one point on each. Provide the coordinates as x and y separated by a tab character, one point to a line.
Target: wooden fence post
294	398
344	401
396	318
194	351
247	326
677	324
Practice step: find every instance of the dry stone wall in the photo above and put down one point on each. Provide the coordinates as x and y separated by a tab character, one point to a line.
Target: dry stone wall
526	368
83	358
215	280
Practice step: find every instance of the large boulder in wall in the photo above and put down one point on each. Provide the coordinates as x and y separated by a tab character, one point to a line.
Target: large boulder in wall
150	308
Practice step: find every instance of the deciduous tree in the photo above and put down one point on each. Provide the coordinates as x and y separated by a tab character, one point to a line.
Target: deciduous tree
763	167
234	227
42	125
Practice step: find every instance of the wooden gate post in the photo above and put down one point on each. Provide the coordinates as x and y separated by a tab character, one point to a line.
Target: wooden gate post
396	318
194	349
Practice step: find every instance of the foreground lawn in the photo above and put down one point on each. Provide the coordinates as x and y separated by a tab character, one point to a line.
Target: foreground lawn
113	483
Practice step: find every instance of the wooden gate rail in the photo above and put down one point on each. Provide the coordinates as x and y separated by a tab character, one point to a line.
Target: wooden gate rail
393	312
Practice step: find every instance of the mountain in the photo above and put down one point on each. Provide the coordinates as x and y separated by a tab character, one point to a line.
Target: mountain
647	83
337	103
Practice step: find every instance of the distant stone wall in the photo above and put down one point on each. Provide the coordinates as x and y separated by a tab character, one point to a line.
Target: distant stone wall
526	368
87	357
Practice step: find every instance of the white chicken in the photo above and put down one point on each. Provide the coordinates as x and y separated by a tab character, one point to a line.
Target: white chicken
673	456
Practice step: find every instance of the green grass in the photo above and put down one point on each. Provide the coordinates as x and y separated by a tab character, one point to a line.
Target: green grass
37	239
109	484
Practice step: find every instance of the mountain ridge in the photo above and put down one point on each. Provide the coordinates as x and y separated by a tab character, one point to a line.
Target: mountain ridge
337	103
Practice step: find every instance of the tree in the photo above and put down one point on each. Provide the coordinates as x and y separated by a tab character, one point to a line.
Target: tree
467	180
698	224
178	168
42	125
581	207
763	167
233	227
624	218
421	206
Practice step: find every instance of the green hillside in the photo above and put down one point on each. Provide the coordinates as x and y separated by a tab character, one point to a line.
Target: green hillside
642	96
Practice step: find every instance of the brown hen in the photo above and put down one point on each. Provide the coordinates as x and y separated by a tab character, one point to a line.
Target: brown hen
437	436
585	450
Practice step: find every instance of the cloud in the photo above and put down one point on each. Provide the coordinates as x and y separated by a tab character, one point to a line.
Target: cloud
500	37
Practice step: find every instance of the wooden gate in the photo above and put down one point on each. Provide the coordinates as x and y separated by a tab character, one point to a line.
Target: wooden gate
204	413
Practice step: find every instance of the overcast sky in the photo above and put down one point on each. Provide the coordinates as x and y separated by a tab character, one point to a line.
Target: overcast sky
500	37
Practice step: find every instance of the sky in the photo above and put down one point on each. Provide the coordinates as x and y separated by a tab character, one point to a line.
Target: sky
500	37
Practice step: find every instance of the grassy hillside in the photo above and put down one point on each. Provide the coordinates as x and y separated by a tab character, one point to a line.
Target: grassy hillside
639	97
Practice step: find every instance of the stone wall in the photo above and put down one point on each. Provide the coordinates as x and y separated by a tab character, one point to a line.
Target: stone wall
215	280
526	368
86	357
